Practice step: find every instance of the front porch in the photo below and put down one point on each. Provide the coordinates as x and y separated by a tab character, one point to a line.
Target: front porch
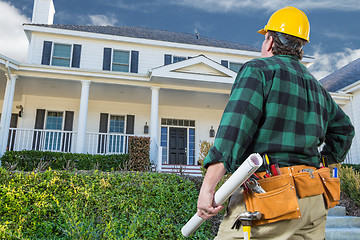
65	141
96	143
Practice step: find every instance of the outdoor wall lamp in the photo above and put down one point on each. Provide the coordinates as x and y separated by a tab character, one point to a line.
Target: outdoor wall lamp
146	128
212	132
21	110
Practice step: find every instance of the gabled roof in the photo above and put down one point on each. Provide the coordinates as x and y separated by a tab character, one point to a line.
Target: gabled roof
343	77
198	71
152	34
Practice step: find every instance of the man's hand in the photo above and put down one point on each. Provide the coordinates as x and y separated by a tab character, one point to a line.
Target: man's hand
207	207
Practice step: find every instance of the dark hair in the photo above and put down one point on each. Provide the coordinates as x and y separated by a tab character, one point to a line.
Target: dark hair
288	45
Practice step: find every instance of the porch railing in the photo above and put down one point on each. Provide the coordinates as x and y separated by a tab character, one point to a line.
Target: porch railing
41	140
107	143
65	141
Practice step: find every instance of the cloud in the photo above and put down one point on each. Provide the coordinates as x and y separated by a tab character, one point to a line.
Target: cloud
326	64
142	6
102	20
13	42
269	5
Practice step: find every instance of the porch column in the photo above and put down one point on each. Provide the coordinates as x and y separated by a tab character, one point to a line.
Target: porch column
6	111
83	111
154	128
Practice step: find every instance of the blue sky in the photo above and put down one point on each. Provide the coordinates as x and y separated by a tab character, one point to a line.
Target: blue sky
334	37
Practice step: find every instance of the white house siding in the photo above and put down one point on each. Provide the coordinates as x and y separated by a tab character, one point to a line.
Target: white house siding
149	56
355	113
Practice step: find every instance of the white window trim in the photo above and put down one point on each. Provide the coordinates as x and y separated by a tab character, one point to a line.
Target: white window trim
112	59
52	53
117	115
46	119
174	56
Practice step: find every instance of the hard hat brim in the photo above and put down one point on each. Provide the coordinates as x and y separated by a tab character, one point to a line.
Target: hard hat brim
262	31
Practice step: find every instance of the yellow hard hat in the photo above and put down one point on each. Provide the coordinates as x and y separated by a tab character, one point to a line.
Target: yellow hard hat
289	20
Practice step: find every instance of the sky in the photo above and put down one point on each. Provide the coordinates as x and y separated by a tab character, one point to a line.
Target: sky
334	24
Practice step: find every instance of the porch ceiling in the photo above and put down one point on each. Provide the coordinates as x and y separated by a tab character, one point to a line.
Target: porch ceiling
59	88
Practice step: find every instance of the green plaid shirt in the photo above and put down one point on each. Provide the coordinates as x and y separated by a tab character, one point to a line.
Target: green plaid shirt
277	107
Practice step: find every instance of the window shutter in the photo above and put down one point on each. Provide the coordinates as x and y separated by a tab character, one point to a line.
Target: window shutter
76	56
134	62
167	59
12	133
39	124
69	118
130	124
39	119
46	55
107	59
104	119
68	126
225	63
103	128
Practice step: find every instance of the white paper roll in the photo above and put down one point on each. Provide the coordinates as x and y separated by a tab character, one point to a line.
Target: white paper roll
246	169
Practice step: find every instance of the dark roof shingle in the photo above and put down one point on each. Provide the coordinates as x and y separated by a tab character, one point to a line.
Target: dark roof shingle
160	35
343	77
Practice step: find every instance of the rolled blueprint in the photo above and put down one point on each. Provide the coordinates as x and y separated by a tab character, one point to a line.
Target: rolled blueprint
249	166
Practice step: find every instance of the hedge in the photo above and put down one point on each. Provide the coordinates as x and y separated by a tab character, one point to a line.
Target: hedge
355	167
96	205
30	160
350	183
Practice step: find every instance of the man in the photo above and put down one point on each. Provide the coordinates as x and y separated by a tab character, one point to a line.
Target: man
278	108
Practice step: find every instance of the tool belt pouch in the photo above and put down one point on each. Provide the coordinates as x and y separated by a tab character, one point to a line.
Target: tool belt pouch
308	183
278	203
331	187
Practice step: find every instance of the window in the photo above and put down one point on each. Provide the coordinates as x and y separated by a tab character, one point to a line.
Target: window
57	54
117	124
120	61
178	59
164	134
54	121
169	59
61	55
177	122
117	127
192	146
235	66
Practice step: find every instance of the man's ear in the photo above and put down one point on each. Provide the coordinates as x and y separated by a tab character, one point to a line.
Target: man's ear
269	43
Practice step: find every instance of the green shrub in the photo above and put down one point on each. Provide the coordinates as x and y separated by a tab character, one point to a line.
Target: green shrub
30	160
96	205
350	183
355	167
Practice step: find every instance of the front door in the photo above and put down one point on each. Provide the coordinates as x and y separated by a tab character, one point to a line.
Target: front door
177	146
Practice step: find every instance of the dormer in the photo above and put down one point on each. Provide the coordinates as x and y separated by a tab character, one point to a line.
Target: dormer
43	12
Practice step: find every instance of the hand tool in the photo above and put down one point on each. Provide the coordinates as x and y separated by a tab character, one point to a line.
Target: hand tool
335	172
267	166
254	186
245	220
275	170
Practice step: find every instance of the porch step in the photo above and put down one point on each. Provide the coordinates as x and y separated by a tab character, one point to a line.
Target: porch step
339	226
193	170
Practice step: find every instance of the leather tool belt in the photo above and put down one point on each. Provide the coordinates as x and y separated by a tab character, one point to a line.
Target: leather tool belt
280	201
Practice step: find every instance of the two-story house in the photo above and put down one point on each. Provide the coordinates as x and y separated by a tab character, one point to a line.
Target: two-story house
86	89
